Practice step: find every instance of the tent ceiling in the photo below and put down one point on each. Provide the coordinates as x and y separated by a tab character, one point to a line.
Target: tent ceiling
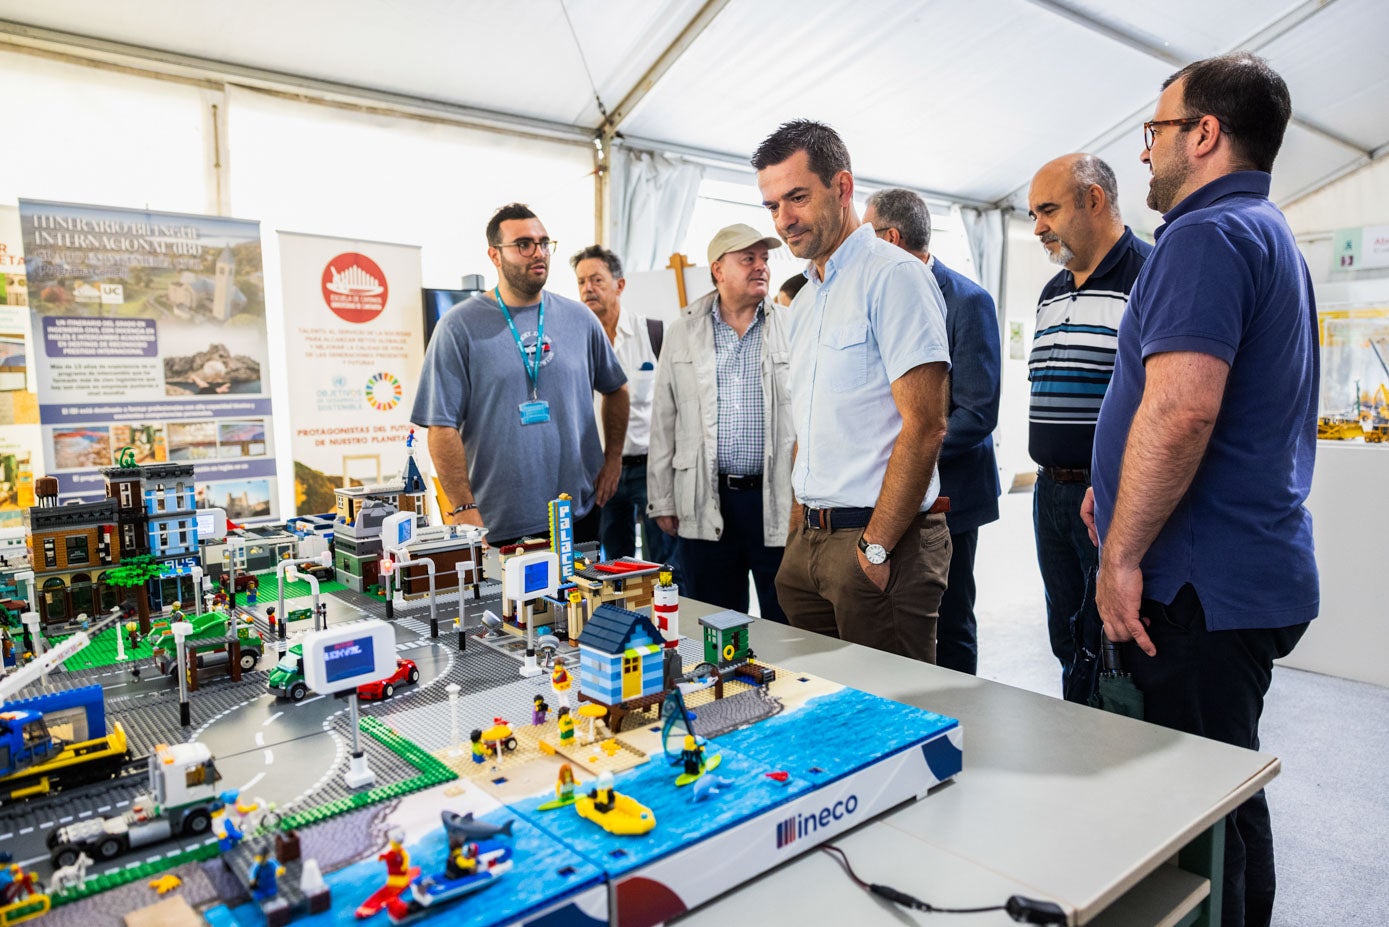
964	99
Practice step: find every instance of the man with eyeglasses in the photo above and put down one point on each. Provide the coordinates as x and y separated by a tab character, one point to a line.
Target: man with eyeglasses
1206	442
507	396
1074	202
968	469
868	550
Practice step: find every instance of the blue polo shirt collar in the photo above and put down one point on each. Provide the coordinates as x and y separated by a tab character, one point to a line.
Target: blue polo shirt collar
848	249
1257	183
1113	257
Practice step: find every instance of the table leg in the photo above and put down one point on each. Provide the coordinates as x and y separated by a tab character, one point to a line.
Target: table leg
1205	856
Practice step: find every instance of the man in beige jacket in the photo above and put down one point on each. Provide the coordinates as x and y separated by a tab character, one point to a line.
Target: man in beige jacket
719	462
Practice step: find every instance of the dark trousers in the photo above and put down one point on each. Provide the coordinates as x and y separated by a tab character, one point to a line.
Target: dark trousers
823	588
717	571
1065	555
957	633
1213	683
627	507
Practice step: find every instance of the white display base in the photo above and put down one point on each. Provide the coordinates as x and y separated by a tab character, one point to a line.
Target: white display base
696	874
1350	521
358	776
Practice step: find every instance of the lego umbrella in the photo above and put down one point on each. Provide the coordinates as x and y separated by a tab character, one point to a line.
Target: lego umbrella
1115	690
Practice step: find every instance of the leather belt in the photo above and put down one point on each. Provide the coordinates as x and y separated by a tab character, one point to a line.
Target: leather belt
636	460
1066	474
837	519
735	482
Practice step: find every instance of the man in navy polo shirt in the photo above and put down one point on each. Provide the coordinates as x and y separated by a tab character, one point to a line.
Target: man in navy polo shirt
1206	439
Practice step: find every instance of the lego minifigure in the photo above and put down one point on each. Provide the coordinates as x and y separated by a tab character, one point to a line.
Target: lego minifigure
462	861
540	712
564	785
692	756
603	795
252	592
566	725
397	859
226	829
561	682
479	748
265	876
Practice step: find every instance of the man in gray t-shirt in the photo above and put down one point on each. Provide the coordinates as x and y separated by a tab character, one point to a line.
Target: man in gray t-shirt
506	395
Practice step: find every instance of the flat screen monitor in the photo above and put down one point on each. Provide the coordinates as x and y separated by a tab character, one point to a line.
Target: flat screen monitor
438	302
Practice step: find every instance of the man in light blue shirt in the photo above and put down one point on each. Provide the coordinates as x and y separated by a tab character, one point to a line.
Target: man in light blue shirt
868	551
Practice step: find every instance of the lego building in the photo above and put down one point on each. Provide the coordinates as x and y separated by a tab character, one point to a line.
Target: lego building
70	547
620	656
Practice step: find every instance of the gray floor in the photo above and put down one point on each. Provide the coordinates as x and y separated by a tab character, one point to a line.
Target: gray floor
1330	814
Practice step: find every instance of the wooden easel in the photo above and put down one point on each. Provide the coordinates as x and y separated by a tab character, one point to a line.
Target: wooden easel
678	263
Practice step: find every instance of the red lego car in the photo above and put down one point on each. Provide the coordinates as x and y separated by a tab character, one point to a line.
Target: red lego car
405	672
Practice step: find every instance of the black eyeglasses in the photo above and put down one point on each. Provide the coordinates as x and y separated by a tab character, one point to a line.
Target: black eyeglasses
526	246
1149	135
886	228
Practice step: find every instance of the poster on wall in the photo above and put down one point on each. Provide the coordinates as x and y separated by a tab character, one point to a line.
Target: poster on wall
20	449
149	332
354	331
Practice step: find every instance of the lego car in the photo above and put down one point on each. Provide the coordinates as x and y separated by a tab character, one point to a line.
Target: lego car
317	570
405	672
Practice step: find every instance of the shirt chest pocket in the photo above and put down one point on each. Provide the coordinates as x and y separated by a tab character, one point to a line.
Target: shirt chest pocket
845	355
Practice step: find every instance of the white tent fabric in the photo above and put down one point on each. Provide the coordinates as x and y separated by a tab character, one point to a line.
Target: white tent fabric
964	100
653	200
984	230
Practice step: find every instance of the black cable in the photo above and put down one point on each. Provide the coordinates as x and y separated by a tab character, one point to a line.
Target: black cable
1021	909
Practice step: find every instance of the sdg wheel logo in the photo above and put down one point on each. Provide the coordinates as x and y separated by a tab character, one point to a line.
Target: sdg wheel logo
384	392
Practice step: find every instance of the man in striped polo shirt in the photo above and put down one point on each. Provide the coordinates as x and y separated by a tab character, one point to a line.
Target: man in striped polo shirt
1074	202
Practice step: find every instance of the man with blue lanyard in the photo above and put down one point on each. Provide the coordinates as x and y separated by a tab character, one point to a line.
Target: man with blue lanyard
506	396
1207	436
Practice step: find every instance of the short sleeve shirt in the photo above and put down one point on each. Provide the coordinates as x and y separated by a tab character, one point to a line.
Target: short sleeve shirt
474	380
1226	279
877	314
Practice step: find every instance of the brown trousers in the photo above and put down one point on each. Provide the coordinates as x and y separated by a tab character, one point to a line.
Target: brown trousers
823	589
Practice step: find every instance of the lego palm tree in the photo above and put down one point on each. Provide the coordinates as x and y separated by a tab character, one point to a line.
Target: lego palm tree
135	573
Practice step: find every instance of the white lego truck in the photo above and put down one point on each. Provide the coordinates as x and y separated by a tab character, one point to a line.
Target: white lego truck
182	791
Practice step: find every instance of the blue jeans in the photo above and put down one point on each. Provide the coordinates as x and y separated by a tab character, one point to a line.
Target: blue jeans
1064	554
618	530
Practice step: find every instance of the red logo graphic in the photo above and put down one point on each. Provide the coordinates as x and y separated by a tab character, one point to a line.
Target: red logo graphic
354	287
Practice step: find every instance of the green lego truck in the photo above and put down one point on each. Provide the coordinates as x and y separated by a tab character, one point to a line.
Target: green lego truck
287	678
208	645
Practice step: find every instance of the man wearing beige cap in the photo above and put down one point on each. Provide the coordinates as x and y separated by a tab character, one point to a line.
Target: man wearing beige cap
719	462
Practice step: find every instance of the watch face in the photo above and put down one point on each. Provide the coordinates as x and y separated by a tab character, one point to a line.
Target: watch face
875	553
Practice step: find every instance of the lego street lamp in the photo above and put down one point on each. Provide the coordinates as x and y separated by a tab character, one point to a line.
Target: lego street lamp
181	630
27	578
407	561
462	613
30	620
120	633
386	568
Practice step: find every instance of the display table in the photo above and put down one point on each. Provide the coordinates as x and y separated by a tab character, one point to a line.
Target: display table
1056	801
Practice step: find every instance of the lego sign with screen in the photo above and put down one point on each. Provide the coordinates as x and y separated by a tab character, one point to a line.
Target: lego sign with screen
346	656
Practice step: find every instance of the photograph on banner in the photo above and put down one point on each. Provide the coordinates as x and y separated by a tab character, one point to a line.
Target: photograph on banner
150	334
354	322
20	438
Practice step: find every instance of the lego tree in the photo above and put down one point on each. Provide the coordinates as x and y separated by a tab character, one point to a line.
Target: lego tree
135	573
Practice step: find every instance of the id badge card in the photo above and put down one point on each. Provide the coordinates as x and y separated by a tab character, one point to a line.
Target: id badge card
535	412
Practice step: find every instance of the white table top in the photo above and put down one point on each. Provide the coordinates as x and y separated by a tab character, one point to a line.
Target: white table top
1056	800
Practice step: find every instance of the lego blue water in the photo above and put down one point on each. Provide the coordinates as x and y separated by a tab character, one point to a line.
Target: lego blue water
543	872
829	737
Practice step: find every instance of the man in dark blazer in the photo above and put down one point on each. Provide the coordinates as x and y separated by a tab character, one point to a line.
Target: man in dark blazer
968	470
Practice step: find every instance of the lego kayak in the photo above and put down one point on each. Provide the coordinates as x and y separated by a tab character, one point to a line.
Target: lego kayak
627	817
377	900
438	889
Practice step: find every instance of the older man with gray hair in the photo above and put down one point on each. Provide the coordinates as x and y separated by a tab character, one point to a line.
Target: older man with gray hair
968	469
1073	201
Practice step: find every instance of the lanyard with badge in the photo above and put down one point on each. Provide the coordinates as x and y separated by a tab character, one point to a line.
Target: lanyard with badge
535	411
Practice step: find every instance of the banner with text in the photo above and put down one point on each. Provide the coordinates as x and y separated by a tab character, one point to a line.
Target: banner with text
354	329
150	333
20	447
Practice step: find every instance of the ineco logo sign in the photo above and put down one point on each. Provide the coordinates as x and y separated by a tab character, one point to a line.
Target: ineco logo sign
803	825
